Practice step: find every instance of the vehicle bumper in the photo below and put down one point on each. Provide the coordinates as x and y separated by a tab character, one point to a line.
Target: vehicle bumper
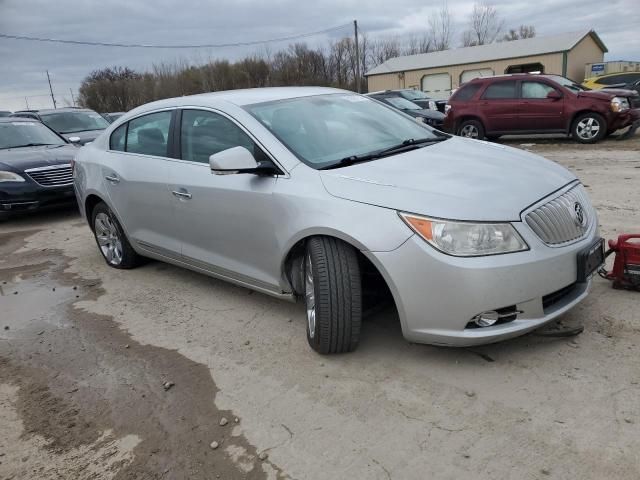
437	295
624	119
27	196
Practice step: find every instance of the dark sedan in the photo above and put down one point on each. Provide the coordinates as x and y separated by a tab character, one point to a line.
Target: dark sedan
77	125
433	118
35	167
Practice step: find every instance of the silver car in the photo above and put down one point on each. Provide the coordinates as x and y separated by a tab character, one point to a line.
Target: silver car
334	198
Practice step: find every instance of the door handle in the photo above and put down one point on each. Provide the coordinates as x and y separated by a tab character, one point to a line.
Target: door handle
179	194
112	179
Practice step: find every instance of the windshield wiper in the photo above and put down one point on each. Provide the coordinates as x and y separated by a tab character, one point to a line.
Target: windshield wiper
405	146
29	145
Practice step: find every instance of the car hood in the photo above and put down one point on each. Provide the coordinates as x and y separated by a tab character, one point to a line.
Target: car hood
457	179
433	114
608	93
85	137
20	159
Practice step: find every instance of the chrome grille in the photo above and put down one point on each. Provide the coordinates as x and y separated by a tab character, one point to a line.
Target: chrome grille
54	176
557	221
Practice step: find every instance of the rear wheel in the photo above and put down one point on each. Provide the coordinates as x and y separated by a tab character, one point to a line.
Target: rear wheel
471	129
111	240
333	295
589	127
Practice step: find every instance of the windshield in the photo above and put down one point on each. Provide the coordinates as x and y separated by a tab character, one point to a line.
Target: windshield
402	103
25	133
323	129
415	95
567	83
71	122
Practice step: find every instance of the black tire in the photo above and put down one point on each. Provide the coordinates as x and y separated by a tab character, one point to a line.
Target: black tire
337	289
129	258
583	133
471	129
493	138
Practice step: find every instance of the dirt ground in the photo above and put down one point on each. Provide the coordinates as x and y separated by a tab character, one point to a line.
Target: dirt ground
108	374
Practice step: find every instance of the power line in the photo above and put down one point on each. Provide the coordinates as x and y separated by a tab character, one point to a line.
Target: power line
144	45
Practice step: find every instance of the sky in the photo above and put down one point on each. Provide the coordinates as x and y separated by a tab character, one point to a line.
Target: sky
23	63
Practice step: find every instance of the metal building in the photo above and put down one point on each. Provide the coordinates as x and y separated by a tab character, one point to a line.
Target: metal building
437	73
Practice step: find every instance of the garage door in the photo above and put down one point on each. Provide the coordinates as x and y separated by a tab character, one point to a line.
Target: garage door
471	74
437	85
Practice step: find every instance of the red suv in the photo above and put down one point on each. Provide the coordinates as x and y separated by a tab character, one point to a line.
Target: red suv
529	103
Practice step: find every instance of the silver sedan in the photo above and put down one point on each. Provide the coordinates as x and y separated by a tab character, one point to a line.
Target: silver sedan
333	198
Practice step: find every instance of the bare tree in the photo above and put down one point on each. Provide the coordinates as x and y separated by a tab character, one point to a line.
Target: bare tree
525	31
440	29
484	25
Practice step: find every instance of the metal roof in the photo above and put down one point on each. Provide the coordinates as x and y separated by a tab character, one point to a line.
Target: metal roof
483	53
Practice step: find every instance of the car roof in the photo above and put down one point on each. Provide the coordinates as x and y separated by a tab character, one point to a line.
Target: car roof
240	97
17	119
49	111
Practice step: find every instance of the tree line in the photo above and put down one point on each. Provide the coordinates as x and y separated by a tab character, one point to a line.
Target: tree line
336	64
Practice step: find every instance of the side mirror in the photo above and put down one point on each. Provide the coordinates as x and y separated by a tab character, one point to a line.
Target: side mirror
554	95
74	140
239	160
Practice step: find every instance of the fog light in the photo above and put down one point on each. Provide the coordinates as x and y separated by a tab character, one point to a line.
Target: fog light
486	319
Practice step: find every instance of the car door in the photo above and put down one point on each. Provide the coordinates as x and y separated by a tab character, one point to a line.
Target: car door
135	176
227	223
499	106
538	112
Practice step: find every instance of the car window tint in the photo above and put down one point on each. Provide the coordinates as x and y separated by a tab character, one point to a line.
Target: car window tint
204	133
149	134
535	90
466	92
501	90
116	142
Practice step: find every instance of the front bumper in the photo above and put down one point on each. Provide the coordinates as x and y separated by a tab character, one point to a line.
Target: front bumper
16	198
624	119
437	295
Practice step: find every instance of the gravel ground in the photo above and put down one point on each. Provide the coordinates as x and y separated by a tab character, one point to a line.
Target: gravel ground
108	374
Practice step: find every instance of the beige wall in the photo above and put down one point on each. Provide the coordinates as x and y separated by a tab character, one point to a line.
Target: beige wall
586	51
552	64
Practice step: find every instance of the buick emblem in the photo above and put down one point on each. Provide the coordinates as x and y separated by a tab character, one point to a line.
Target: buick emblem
578	215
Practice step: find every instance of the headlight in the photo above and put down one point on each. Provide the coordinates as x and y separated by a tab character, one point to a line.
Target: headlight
432	105
466	239
447	108
421	119
10	177
619	104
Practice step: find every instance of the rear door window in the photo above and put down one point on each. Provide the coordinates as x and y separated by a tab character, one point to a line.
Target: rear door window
501	90
149	134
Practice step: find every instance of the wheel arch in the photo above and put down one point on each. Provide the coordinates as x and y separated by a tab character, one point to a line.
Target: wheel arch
294	259
466	117
89	204
582	111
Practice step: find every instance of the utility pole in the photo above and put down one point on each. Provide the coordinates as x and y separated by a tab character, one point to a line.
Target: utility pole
358	82
53	99
26	100
73	100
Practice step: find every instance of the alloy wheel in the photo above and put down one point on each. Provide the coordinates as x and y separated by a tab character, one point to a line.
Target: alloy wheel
108	238
310	297
469	131
588	128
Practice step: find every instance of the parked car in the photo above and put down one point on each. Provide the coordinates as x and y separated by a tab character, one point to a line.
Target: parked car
531	103
604	81
418	97
78	125
113	116
35	167
430	117
323	194
4	113
626	86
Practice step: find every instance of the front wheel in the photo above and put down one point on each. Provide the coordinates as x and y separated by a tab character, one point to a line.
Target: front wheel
471	129
589	127
333	295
